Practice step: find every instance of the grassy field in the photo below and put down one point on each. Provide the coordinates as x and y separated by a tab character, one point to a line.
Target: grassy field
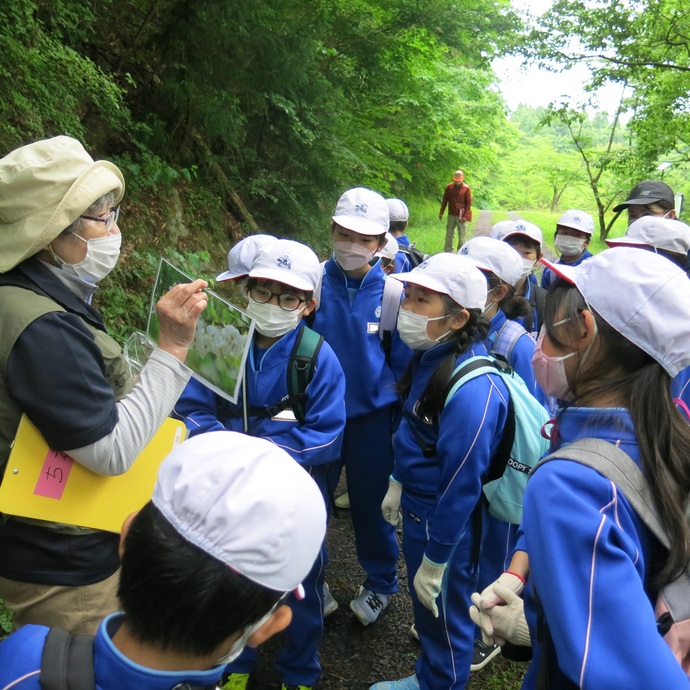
428	233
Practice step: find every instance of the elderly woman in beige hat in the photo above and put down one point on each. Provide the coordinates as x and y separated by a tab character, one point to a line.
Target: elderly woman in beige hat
58	238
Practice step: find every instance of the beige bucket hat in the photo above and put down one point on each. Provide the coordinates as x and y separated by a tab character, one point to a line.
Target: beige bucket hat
44	187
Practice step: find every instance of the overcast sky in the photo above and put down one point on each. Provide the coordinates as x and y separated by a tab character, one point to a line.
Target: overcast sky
538	87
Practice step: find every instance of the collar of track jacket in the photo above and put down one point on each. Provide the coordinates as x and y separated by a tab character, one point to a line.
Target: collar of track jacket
644	296
245	502
452	275
489	254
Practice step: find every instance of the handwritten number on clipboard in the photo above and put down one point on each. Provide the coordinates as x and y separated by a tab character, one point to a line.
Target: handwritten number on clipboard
54	475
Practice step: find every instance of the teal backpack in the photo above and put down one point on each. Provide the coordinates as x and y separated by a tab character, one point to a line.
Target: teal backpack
522	444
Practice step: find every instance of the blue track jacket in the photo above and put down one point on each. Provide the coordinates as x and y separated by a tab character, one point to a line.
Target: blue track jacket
547	276
351	329
590	559
466	438
315	442
20	657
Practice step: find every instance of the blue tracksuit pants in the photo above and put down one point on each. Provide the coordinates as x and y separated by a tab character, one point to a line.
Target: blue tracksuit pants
368	458
446	641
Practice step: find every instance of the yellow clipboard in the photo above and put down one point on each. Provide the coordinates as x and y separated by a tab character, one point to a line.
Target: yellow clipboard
45	484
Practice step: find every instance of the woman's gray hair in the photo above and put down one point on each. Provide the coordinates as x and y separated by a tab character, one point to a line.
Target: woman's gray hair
106	200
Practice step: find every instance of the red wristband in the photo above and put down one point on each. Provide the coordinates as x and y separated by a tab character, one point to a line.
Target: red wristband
519	577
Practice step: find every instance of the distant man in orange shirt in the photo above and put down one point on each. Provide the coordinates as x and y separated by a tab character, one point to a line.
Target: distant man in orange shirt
458	198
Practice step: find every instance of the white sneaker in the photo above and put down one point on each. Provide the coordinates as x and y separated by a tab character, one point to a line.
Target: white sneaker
330	605
343	501
368	606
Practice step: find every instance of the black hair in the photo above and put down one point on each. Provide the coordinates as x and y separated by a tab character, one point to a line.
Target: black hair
432	400
617	366
397	226
514	306
524	241
177	597
106	200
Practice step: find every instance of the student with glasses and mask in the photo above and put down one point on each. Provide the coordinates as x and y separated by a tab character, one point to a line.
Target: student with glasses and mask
279	287
59	238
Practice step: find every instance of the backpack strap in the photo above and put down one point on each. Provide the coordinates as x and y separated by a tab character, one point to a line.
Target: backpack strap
615	464
300	371
506	340
67	661
390	305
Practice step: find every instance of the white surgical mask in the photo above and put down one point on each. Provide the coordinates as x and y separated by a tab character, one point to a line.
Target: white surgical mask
527	266
271	320
241	642
351	256
569	246
412	330
102	254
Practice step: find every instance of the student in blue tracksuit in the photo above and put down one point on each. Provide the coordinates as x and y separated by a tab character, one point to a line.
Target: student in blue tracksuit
574	230
502	267
399	216
279	287
616	331
526	239
204	573
438	491
348	317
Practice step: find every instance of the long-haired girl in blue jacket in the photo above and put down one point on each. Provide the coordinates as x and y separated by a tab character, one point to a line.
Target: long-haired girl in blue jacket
441	320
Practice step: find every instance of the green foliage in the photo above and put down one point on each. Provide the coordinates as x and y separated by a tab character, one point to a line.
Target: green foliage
6	616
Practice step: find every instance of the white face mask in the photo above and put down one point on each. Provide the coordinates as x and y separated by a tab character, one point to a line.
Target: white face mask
569	246
351	256
241	642
527	266
271	320
412	330
102	254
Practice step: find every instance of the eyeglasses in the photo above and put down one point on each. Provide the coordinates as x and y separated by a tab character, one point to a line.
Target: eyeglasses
286	300
109	221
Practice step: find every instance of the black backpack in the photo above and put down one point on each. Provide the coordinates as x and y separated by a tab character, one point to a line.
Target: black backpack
414	256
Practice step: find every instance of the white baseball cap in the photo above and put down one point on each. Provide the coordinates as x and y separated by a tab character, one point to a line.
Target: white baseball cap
501	229
362	210
450	275
489	254
397	210
390	249
241	256
654	231
577	220
524	227
289	262
642	295
247	503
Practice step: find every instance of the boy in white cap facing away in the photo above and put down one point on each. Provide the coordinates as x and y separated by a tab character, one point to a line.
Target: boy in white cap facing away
349	317
399	216
526	239
307	422
649	198
574	230
232	528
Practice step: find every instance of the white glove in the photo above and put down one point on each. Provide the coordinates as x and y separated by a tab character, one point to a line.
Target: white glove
503	622
488	599
427	583
508	580
391	502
